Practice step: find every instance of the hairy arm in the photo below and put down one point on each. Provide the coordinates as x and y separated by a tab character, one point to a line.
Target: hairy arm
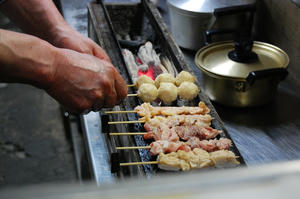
25	59
42	19
79	81
36	17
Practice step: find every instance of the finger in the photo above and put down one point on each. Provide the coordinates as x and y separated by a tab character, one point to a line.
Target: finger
120	87
100	53
111	98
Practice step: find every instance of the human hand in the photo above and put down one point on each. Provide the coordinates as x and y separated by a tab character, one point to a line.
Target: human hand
67	37
83	82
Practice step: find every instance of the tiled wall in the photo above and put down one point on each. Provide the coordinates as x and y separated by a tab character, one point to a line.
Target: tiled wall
278	23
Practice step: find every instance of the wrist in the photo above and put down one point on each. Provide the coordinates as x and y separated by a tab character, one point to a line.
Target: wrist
58	33
40	70
44	76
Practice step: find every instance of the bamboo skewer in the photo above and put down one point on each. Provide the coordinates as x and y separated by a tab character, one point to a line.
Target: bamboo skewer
126	122
129	133
119	112
132	95
138	163
132	147
131	85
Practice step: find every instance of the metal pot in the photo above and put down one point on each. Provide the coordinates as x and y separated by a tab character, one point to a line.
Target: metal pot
190	18
238	83
241	72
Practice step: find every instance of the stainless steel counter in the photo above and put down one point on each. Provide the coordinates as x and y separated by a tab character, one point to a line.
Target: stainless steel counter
274	181
263	135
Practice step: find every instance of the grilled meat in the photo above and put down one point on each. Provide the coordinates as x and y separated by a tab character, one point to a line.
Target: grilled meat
197	158
180	126
163	146
146	111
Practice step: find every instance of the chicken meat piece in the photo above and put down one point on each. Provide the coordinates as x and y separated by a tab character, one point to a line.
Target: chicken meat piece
209	145
162	146
187	132
160	132
224	158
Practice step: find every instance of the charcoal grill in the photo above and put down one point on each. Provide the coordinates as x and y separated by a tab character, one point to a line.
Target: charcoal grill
106	21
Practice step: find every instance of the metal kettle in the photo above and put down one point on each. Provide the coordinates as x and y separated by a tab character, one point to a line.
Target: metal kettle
243	72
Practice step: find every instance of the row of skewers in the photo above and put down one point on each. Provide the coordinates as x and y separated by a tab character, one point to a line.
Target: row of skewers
183	138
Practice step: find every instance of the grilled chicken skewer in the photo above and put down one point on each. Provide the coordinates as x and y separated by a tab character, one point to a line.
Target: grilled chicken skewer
147	110
172	128
175	120
185	126
194	159
163	146
173	134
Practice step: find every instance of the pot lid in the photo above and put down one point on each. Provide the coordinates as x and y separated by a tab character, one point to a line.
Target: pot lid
205	6
214	59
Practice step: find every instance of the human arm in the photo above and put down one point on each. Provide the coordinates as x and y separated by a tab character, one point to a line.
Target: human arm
42	19
78	81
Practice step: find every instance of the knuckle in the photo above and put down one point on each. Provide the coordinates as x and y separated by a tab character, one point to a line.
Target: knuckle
96	94
106	82
111	68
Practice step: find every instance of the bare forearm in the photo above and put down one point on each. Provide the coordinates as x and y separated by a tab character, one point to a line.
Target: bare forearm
25	59
37	17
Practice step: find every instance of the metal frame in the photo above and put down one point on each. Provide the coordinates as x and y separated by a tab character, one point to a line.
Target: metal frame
96	148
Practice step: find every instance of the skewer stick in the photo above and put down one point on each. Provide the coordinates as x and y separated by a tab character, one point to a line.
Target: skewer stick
132	95
118	112
126	122
132	147
138	163
129	133
131	85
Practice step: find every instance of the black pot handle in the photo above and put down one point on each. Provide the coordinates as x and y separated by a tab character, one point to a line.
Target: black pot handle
218	12
209	33
280	73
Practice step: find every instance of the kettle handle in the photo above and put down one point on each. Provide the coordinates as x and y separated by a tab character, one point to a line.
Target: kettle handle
219	12
280	73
